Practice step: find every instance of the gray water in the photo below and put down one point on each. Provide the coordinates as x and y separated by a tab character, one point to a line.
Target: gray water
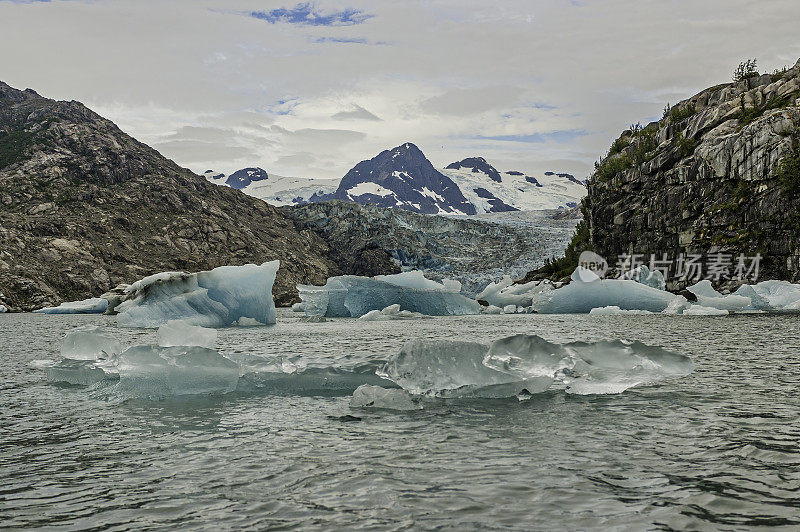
715	450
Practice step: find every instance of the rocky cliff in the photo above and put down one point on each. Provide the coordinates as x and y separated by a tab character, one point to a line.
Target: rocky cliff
83	207
719	173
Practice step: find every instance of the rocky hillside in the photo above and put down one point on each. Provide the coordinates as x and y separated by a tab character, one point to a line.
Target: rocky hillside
719	173
83	207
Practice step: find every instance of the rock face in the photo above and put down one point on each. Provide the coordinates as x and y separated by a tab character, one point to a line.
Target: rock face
84	207
368	240
476	165
245	177
401	178
720	173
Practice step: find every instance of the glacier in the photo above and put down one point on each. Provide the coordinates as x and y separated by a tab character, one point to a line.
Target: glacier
352	296
221	297
94	305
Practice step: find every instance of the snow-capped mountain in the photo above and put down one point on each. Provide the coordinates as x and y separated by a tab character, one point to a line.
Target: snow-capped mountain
401	178
280	190
404	178
492	191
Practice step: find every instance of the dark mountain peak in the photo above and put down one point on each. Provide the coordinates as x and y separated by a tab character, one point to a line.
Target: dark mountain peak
403	178
477	164
242	178
514	172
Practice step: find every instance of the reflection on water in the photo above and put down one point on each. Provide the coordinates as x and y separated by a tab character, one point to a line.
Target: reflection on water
716	449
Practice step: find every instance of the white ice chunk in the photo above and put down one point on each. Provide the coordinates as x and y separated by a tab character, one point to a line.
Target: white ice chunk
491	309
708	297
215	298
781	295
152	372
757	301
504	292
613	310
416	279
392	312
581	296
367	395
93	305
354	296
445	368
677	305
179	333
700	310
298	307
642	274
510	309
89	343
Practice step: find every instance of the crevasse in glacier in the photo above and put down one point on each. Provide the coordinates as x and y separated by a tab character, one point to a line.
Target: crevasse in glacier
216	298
353	296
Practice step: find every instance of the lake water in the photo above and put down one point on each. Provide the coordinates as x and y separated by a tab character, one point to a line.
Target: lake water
719	449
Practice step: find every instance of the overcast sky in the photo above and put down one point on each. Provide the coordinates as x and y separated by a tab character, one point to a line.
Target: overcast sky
311	89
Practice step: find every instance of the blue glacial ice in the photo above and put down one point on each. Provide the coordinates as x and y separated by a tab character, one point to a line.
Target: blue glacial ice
351	296
93	305
224	296
587	291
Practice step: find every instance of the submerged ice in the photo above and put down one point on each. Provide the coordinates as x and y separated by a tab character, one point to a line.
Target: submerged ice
528	364
223	296
351	296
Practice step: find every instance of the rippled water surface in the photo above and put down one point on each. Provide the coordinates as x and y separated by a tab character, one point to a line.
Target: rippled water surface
718	449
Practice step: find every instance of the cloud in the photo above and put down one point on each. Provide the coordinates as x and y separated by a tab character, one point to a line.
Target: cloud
195	151
539	138
458	102
356	113
307	14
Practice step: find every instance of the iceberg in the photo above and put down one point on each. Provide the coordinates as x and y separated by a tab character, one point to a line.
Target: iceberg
179	333
587	291
779	295
392	312
154	372
216	298
586	368
368	396
3	309
642	274
450	368
351	296
491	309
297	307
505	292
510	309
89	343
708	297
95	305
523	365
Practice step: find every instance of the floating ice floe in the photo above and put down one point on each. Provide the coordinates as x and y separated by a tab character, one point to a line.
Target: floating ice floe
368	396
700	310
614	310
528	364
392	312
351	296
153	372
93	305
491	309
587	291
297	307
779	295
223	296
710	298
89	343
179	333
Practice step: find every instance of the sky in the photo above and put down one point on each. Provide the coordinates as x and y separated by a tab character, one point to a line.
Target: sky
310	89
